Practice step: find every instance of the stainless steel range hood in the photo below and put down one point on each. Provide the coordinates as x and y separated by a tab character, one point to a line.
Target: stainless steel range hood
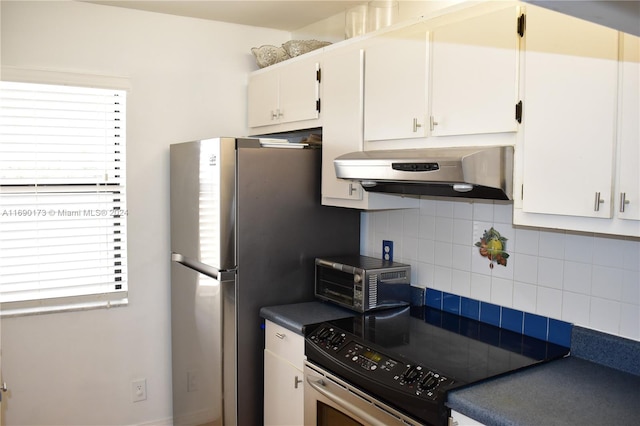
469	172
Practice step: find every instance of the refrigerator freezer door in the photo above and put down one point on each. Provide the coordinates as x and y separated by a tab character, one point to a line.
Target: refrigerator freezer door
196	329
203	177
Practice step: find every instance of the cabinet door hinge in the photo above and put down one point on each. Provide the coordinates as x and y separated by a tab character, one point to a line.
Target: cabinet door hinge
521	22
318	75
519	112
318	105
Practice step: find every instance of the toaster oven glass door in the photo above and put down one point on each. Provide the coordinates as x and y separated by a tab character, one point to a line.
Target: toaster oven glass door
335	285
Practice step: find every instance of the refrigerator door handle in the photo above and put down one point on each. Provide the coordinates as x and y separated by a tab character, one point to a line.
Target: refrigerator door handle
204	268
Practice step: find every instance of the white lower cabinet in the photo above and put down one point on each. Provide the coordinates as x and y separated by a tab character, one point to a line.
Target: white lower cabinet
458	419
283	377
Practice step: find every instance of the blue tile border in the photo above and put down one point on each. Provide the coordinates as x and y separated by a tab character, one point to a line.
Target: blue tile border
513	320
469	308
536	326
543	328
451	303
490	313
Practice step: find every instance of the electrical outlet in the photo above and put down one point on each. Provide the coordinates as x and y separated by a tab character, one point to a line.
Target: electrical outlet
387	250
138	390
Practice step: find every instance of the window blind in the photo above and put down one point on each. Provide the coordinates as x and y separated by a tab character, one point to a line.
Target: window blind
62	198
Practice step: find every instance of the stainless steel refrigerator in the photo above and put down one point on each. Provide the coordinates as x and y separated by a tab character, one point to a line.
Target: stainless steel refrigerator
246	226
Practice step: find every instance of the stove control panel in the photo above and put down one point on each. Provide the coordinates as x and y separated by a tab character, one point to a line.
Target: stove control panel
375	366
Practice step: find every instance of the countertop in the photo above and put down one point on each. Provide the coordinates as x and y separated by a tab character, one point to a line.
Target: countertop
598	384
296	316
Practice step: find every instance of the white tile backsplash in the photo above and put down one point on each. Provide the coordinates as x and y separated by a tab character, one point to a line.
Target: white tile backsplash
589	279
550	272
525	268
605	315
526	242
524	296
502	292
577	277
579	248
576	308
551	243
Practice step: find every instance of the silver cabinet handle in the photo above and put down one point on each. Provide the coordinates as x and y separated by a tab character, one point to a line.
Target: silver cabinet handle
280	335
623	201
416	125
4	387
296	382
280	113
352	189
432	123
274	115
598	201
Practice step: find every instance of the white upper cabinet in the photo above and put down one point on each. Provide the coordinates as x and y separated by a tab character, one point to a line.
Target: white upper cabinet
474	85
284	93
628	193
570	88
395	85
342	132
454	75
579	150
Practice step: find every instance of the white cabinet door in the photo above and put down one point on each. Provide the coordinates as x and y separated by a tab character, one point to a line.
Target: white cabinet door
474	75
342	97
459	419
628	194
299	91
342	119
288	93
570	86
283	392
262	98
396	86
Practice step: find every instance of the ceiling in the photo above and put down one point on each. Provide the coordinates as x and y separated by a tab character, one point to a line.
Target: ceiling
291	15
281	15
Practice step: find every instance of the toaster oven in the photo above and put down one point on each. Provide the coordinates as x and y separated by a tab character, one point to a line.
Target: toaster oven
362	283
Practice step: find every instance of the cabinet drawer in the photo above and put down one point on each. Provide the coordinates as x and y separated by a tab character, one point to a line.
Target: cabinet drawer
285	343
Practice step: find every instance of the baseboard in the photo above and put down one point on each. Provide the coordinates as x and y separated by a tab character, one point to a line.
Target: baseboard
160	422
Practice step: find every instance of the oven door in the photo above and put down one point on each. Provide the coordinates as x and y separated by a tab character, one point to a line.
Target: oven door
330	401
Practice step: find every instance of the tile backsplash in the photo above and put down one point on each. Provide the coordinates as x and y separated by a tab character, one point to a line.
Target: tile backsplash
590	280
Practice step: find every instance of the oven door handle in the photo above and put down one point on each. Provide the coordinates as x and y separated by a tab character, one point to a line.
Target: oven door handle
319	384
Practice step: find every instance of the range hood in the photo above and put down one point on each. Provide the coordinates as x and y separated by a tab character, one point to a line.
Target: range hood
469	172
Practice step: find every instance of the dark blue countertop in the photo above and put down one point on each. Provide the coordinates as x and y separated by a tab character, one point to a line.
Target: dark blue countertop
599	384
298	315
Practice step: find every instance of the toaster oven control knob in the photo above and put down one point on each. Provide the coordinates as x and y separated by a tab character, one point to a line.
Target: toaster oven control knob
357	278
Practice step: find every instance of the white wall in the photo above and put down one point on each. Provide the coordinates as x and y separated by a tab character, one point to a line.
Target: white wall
187	81
586	279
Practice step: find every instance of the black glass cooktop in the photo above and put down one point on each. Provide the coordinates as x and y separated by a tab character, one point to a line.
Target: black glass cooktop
465	350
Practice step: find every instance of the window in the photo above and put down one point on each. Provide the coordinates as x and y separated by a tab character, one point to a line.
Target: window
62	198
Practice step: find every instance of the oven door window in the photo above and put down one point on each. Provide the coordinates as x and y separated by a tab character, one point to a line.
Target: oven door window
329	416
335	285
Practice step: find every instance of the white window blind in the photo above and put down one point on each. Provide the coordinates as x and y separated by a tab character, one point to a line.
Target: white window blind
62	198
